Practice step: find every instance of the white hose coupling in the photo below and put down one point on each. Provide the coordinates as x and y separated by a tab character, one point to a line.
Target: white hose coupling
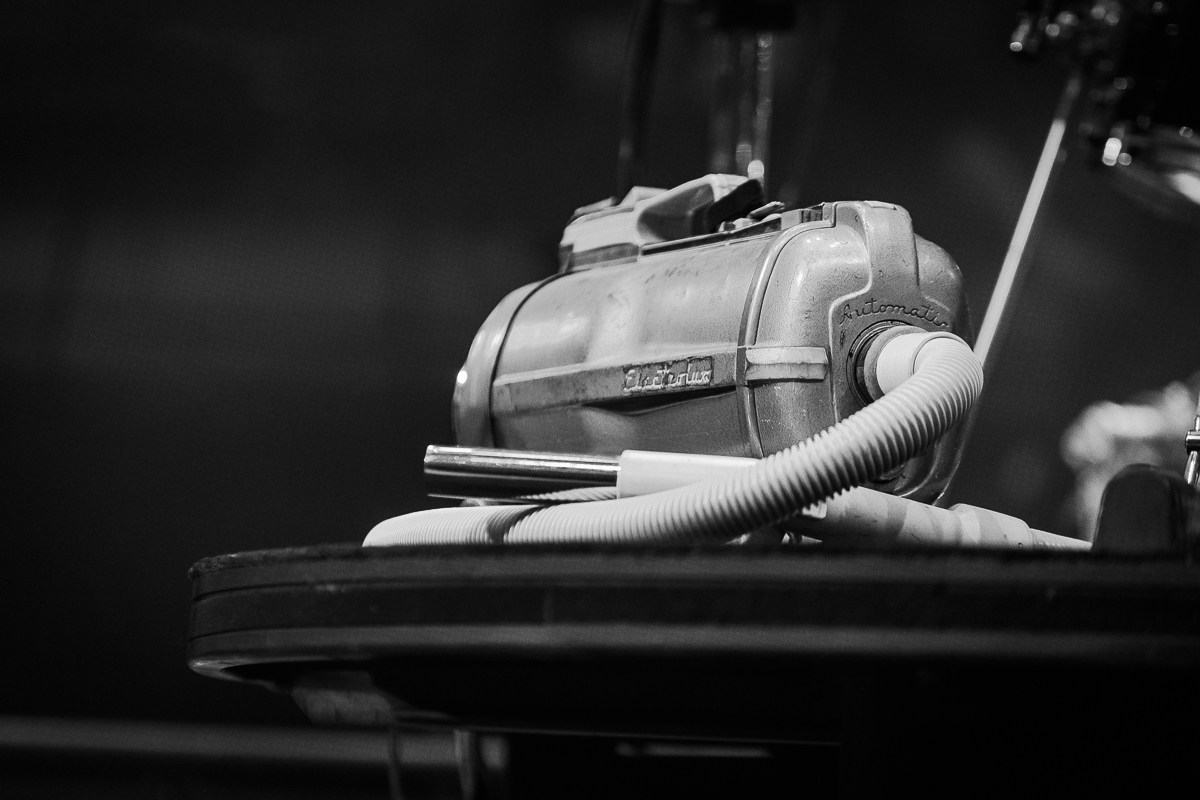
898	353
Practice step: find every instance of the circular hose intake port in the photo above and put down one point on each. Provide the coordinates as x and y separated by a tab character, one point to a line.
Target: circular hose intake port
864	357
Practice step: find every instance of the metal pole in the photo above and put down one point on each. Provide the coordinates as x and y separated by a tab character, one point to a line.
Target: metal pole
1053	154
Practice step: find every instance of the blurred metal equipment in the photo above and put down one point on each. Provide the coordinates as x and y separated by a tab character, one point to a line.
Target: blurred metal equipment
1137	63
1107	437
743	63
1148	508
641	55
1149	511
741	35
1191	469
1141	61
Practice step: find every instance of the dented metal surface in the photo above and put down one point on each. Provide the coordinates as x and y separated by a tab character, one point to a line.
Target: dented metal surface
738	345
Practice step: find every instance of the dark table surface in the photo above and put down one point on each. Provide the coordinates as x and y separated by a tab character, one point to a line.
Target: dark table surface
738	643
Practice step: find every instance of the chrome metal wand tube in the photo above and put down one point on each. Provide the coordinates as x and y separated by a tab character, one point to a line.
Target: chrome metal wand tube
475	472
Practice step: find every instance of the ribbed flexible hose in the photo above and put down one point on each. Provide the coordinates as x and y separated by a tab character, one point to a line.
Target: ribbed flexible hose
946	381
471	525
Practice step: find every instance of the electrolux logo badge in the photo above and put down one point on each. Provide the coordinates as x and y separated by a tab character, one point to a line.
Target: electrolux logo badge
691	373
870	307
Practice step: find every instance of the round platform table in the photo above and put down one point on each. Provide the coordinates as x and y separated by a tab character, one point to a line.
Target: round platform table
930	664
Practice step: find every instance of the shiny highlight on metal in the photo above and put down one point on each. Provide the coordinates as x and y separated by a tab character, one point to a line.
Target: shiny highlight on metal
1191	469
486	473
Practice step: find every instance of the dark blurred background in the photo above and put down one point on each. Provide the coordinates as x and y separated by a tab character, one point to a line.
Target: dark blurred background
244	248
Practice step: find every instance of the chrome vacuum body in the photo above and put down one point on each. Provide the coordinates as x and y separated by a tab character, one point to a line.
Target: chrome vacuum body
739	342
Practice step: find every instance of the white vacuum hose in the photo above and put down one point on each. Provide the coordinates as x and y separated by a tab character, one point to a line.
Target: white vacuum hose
931	380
